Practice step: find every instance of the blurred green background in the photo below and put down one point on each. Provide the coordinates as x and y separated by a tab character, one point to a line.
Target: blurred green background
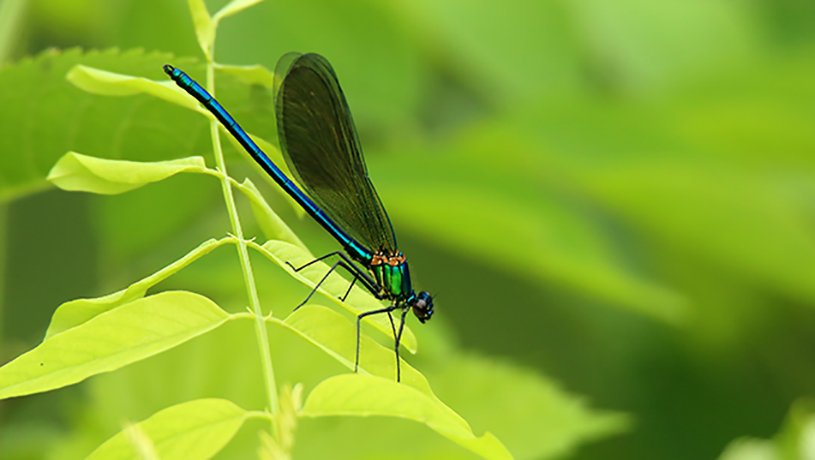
616	194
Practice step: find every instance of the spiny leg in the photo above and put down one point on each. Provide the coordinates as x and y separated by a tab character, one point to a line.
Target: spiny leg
335	253
359	318
349	288
346	263
398	338
393	327
317	286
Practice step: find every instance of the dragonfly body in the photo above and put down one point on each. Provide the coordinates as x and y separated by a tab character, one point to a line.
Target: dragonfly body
194	89
319	141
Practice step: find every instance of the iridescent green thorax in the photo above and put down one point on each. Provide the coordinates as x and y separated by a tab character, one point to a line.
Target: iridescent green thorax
391	273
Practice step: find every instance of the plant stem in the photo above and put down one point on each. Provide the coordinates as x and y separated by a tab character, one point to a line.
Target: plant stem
243	254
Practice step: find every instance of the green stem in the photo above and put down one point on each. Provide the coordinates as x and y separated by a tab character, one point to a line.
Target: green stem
243	254
11	20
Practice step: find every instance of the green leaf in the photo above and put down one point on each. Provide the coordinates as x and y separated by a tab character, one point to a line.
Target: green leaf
192	430
76	172
104	83
204	25
797	436
76	312
58	117
271	224
795	440
337	336
751	449
364	395
250	74
235	6
532	416
111	340
359	300
110	84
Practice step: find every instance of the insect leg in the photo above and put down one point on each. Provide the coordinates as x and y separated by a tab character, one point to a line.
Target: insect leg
359	318
397	339
346	263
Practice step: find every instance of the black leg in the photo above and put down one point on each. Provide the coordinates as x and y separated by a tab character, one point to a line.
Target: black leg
346	263
349	288
335	253
359	318
317	286
398	338
393	327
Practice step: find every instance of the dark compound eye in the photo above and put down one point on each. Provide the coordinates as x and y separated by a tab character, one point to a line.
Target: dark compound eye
423	306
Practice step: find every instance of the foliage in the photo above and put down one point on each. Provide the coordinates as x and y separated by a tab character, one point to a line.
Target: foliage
794	441
615	195
88	337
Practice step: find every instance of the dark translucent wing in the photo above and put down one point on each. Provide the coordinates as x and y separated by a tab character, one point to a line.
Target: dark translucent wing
320	144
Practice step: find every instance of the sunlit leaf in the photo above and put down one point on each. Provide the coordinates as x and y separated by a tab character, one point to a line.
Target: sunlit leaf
76	172
363	395
59	117
203	24
795	440
222	363
76	312
192	430
250	74
111	340
233	7
750	449
272	225
104	83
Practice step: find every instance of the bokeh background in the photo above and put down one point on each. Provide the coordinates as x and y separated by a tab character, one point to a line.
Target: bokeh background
615	196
